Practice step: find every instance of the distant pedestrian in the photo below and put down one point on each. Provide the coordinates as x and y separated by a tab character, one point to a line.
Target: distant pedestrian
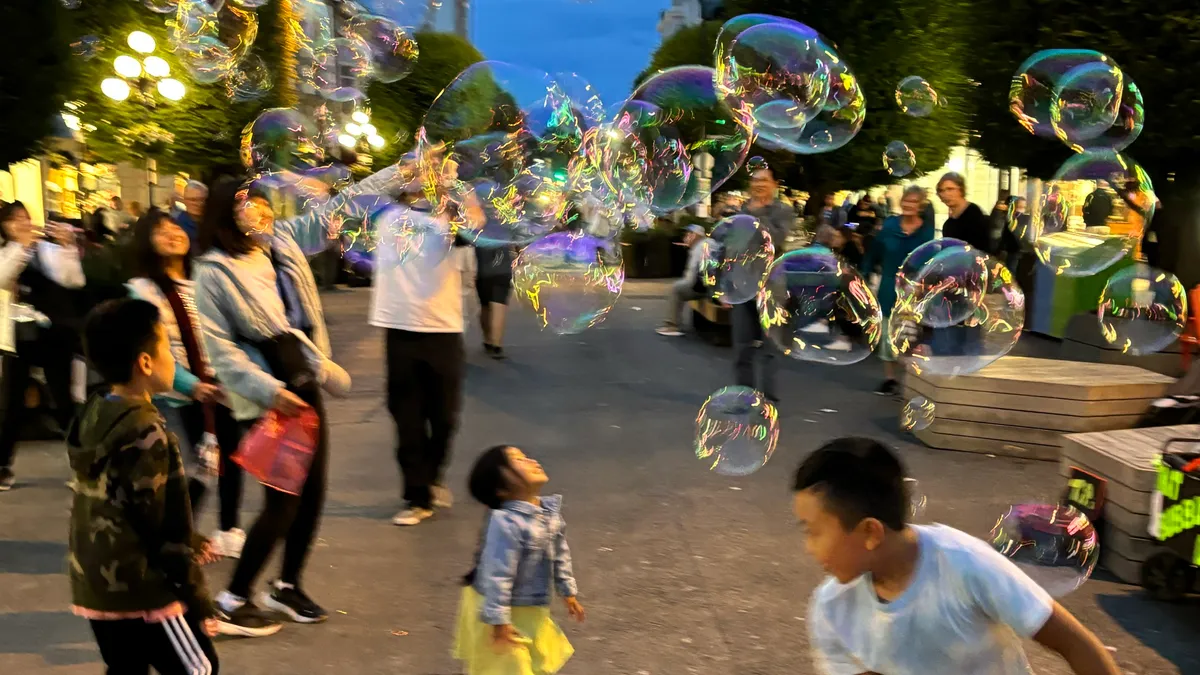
686	287
194	194
966	221
504	622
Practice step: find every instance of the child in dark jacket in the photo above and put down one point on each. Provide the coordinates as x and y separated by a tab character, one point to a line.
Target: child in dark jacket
132	560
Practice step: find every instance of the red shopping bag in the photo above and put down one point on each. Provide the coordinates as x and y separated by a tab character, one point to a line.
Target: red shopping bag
278	450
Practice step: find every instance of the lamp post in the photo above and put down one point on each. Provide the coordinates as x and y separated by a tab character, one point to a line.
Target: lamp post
143	79
359	134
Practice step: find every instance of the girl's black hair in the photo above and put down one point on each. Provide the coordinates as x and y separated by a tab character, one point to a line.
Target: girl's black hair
219	228
6	214
147	262
486	483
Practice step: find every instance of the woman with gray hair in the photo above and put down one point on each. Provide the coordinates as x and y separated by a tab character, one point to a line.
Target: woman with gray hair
896	239
966	221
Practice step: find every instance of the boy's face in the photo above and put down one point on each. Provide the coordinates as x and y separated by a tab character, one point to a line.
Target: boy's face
157	365
844	554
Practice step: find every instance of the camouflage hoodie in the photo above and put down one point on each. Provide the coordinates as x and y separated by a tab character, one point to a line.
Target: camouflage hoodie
131	539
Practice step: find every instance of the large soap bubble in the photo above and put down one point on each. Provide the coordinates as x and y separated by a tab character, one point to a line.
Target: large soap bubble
774	73
741	260
340	70
838	121
393	51
736	431
279	138
249	80
943	281
656	144
1126	126
1086	101
982	337
1142	310
1033	94
571	280
814	307
916	97
1091	214
1055	545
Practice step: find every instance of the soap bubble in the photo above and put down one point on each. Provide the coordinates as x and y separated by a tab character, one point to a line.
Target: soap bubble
943	281
571	280
746	251
340	69
252	4
736	431
814	307
1124	130
917	501
1055	545
1142	310
207	59
985	335
1033	94
898	159
279	138
312	28
917	414
87	47
393	50
838	121
756	163
354	221
249	80
404	236
774	73
1091	214
659	133
1086	101
293	195
916	97
516	216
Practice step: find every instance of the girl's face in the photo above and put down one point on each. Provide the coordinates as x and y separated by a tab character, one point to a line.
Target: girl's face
255	218
910	206
18	227
169	240
528	472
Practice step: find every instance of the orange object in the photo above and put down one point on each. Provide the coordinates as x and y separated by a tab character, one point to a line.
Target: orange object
278	450
1191	331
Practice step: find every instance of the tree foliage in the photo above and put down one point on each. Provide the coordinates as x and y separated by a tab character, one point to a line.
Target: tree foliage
397	108
35	72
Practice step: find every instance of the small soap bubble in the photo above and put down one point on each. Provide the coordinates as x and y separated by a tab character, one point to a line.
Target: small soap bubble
916	97
917	414
736	431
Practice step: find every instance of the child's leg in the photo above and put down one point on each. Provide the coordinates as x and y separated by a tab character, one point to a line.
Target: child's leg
196	490
121	647
179	646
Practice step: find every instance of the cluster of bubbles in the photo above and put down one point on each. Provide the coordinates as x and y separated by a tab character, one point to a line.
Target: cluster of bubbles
916	98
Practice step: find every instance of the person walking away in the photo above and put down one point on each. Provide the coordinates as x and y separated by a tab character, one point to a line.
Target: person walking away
419	303
966	221
504	623
493	284
132	561
194	408
264	331
40	267
116	219
685	288
194	194
897	238
748	343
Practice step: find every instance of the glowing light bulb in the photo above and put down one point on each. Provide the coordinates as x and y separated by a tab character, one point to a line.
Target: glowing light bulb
171	89
114	88
141	42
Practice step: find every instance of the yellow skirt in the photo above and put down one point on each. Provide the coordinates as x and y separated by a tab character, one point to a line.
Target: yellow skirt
543	648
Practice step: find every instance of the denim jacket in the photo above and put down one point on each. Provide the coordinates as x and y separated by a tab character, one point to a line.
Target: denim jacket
524	548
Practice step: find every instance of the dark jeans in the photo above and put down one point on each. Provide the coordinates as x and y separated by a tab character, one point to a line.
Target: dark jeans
293	518
174	647
749	345
424	396
229	483
54	351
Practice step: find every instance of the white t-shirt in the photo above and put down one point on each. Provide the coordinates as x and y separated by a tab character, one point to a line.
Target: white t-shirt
965	612
417	286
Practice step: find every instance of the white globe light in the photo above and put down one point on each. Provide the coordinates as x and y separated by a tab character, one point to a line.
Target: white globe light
117	90
141	42
376	141
171	89
347	140
353	129
368	129
156	67
127	66
360	117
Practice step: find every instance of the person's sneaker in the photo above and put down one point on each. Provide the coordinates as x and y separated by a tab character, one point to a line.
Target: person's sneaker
7	479
228	543
246	620
888	388
293	602
669	331
412	515
442	498
498	353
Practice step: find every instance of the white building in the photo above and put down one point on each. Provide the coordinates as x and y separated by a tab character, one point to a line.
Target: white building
682	14
449	16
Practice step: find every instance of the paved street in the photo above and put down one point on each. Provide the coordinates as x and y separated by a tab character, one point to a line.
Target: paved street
682	571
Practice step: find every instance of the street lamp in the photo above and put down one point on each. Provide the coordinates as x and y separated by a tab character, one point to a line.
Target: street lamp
360	130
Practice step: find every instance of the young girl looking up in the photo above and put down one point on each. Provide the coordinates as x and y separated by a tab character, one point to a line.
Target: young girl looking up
504	622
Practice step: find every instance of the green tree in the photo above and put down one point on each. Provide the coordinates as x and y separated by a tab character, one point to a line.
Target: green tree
883	41
35	72
397	108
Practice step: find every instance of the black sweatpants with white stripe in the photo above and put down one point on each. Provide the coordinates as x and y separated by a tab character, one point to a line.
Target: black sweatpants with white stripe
177	646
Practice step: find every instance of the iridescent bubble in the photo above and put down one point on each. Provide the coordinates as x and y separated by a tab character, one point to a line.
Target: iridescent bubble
161	6
237	29
982	337
655	144
312	28
916	97
839	120
249	80
1086	101
251	4
515	216
814	307
737	429
340	69
1055	545
1127	121
1091	214
207	59
354	221
746	252
944	281
393	51
1142	310
917	414
404	236
279	138
756	163
899	159
570	279
775	74
87	47
1033	93
917	500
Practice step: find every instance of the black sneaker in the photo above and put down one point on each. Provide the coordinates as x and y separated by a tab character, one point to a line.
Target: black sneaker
888	388
498	353
289	600
246	621
7	479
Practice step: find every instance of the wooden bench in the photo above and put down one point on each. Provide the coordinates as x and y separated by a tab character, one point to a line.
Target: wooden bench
711	321
1022	407
1124	459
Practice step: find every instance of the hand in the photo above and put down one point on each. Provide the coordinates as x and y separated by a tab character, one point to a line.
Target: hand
574	609
205	392
61	233
211	627
504	637
287	403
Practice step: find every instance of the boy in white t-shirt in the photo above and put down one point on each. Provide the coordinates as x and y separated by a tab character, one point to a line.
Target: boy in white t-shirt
912	599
